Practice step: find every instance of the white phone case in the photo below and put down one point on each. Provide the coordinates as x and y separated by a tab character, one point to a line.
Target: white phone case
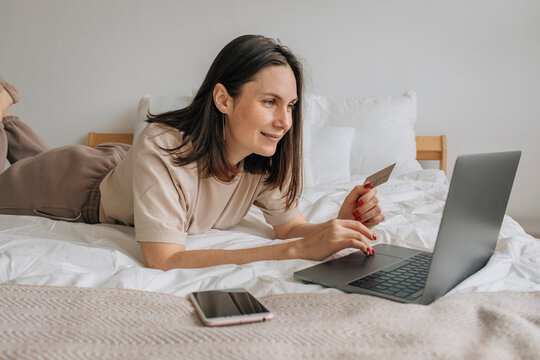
229	320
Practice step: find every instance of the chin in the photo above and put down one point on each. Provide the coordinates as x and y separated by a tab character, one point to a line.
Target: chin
267	152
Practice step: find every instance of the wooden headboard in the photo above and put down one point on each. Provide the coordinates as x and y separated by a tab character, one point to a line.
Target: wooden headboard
432	148
94	139
427	147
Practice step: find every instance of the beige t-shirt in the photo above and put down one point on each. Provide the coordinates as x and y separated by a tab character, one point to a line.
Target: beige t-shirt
166	202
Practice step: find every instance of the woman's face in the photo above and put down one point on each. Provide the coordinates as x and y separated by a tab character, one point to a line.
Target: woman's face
262	114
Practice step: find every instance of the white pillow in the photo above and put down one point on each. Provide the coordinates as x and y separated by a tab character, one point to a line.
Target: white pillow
156	105
326	154
384	129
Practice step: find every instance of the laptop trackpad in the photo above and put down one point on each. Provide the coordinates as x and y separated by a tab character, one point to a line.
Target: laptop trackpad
347	268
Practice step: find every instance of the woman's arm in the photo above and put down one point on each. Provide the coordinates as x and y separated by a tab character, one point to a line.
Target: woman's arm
166	256
329	238
318	241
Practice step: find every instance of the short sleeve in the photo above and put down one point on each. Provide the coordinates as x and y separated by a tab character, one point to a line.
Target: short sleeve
272	202
159	203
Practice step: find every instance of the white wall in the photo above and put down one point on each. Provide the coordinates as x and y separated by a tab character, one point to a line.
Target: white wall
82	65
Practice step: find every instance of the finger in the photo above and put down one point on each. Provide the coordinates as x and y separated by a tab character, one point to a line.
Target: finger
374	221
372	204
359	227
356	240
364	208
351	232
357	192
367	196
367	215
365	248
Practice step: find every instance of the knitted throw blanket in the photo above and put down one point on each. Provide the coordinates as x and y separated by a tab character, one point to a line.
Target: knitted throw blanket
43	322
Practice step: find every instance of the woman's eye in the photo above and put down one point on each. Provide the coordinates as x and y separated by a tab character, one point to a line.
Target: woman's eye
291	107
269	102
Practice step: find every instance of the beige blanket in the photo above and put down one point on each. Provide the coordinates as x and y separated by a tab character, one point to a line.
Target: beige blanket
82	323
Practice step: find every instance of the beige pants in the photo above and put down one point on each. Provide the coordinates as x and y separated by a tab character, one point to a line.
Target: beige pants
61	183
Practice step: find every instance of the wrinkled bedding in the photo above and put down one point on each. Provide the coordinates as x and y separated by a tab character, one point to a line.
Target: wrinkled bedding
38	251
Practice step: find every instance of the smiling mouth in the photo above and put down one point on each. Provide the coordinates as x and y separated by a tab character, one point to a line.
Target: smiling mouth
271	137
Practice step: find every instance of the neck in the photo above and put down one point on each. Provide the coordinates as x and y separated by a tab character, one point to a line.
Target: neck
234	156
230	176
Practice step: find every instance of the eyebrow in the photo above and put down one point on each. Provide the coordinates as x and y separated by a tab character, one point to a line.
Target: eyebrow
279	97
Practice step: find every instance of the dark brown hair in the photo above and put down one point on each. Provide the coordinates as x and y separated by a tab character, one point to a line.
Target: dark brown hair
236	64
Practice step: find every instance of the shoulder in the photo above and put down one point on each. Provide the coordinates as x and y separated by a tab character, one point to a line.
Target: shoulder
153	162
160	137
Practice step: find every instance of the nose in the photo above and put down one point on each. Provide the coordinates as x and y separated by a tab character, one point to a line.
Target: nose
283	119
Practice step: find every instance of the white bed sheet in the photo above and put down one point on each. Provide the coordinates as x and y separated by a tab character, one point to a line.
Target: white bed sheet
38	251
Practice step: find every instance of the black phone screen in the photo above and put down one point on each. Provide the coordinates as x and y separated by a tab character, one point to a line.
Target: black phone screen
216	303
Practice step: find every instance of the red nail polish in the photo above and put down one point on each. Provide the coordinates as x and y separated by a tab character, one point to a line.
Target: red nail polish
356	213
360	202
357	219
374	237
367	186
373	251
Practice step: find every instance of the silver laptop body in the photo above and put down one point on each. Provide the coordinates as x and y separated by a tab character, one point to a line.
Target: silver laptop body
468	233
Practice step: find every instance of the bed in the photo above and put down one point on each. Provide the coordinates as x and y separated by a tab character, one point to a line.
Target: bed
72	290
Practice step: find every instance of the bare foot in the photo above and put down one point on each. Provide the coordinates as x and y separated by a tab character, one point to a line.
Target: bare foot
5	101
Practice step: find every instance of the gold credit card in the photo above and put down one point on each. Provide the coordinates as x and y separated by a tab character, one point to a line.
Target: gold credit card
380	177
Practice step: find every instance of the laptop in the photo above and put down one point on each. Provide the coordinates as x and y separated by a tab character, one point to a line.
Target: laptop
468	233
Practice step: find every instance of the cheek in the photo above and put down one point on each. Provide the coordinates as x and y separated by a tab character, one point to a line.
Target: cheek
253	119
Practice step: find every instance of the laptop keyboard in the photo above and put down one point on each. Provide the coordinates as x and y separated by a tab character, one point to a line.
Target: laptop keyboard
406	281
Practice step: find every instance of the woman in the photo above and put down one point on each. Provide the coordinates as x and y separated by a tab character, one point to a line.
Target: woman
236	145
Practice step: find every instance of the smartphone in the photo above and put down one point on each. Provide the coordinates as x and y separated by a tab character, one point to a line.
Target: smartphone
228	307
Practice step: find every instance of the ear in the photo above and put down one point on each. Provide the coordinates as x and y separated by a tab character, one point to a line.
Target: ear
222	99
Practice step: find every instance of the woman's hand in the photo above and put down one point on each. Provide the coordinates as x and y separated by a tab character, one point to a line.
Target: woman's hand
362	204
333	236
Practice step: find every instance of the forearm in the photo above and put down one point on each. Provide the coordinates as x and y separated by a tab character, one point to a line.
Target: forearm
204	258
296	227
301	230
